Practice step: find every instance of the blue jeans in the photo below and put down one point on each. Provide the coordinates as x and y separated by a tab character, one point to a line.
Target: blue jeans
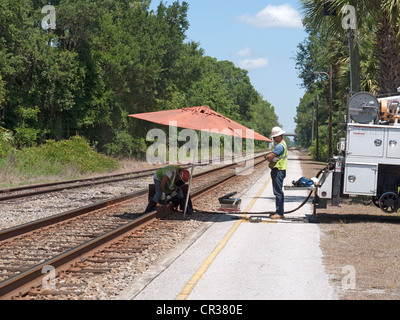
180	196
277	177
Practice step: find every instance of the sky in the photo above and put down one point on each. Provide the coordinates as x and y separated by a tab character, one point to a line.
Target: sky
260	36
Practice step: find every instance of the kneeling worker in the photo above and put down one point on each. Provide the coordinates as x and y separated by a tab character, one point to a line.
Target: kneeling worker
168	182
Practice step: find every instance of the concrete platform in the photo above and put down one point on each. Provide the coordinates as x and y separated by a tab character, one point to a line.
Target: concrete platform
234	259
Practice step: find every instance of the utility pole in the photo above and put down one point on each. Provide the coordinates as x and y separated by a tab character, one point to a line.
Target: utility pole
354	61
330	112
317	130
313	124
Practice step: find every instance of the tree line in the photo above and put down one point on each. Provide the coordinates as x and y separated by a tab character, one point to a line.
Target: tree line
103	60
375	44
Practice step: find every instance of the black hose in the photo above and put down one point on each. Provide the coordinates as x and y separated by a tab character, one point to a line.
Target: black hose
287	212
291	211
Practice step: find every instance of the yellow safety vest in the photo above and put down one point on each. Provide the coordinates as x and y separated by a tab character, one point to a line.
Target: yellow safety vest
282	163
170	186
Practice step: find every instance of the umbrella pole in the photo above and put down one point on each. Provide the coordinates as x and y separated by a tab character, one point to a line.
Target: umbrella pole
190	184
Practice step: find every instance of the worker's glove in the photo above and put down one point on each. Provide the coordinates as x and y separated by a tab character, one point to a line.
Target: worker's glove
163	196
275	159
173	194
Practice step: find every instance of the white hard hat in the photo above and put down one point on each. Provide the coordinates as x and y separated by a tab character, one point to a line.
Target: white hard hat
276	131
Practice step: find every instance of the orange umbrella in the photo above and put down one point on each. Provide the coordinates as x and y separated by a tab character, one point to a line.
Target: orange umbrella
202	119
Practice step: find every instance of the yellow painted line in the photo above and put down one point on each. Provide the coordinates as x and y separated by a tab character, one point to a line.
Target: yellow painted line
188	288
203	268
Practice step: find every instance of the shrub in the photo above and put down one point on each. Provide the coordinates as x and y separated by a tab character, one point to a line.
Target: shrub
6	142
54	157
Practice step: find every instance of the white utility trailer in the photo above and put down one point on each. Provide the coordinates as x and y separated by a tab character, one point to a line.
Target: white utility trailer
369	159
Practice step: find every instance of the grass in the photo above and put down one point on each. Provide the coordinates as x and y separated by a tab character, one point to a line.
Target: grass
68	159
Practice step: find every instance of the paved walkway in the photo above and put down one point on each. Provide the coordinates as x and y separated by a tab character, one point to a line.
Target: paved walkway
238	260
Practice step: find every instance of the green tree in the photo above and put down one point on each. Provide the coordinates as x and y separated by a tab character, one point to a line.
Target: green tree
2	98
225	88
327	44
379	19
103	62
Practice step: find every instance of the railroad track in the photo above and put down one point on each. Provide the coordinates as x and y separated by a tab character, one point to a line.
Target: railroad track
23	210
37	189
87	241
44	188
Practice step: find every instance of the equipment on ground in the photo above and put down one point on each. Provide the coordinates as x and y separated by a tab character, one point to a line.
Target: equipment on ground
229	204
303	182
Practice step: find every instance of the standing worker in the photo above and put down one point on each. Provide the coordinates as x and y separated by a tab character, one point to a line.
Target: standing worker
168	182
278	165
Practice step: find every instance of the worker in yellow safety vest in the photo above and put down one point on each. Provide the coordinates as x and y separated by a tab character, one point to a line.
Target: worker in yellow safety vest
168	182
278	160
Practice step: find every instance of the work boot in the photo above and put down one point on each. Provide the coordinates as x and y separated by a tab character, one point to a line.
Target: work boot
276	216
151	206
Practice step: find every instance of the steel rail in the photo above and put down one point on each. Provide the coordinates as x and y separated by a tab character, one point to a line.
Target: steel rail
8	234
65	186
50	184
23	281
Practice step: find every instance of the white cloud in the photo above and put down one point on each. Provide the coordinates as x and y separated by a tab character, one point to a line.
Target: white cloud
258	63
283	16
244	52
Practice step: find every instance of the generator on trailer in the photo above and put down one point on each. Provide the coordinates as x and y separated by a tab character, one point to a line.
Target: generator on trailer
369	156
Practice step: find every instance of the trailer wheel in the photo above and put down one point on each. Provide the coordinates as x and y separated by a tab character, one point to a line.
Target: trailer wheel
389	202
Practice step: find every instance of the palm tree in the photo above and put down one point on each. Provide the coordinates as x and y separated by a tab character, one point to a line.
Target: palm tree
386	30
